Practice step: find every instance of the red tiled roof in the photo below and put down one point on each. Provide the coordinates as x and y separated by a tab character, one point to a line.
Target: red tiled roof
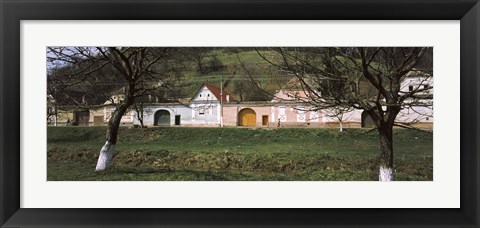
216	92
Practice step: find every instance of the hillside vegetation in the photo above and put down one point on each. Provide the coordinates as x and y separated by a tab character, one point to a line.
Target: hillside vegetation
237	66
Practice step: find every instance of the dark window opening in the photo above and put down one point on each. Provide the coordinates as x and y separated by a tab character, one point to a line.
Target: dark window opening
177	120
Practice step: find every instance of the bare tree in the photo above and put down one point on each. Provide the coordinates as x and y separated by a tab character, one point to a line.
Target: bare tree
139	70
198	55
340	114
140	110
369	79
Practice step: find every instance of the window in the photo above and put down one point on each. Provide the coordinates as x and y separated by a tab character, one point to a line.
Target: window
200	95
425	86
208	95
281	111
201	110
410	88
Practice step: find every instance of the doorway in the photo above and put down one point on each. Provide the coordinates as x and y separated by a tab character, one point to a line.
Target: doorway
247	117
177	120
162	118
265	120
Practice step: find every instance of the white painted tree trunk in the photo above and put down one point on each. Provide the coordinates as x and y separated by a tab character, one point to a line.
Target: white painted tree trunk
341	126
386	174
106	155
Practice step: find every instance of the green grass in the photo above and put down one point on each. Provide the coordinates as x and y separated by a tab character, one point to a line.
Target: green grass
235	154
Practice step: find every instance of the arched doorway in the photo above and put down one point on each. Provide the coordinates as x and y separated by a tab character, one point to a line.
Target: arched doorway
367	120
81	118
162	118
247	117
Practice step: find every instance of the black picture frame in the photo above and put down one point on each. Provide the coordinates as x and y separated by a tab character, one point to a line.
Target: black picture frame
13	11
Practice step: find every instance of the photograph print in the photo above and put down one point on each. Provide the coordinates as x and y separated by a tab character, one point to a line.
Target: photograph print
239	113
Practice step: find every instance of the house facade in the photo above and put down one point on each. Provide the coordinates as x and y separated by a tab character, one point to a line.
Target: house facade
211	107
205	109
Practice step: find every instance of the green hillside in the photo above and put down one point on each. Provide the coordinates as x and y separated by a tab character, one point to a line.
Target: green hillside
237	66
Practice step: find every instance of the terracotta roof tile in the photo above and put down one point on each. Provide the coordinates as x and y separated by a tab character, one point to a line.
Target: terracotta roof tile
216	92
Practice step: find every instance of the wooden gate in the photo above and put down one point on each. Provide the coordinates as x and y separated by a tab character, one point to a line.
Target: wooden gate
162	118
81	118
367	120
98	121
247	117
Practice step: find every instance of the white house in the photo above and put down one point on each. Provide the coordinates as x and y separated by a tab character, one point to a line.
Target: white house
203	109
287	108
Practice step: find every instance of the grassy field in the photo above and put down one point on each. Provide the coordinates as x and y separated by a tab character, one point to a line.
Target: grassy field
234	154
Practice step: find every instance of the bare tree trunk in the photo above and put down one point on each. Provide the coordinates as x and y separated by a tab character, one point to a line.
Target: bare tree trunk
106	156
141	122
386	152
108	150
55	117
139	111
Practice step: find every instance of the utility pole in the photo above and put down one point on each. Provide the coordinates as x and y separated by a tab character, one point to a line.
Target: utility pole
221	101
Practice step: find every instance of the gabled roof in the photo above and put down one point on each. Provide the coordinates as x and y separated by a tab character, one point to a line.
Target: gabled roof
216	92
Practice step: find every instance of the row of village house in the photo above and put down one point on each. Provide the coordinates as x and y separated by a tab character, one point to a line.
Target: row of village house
205	109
